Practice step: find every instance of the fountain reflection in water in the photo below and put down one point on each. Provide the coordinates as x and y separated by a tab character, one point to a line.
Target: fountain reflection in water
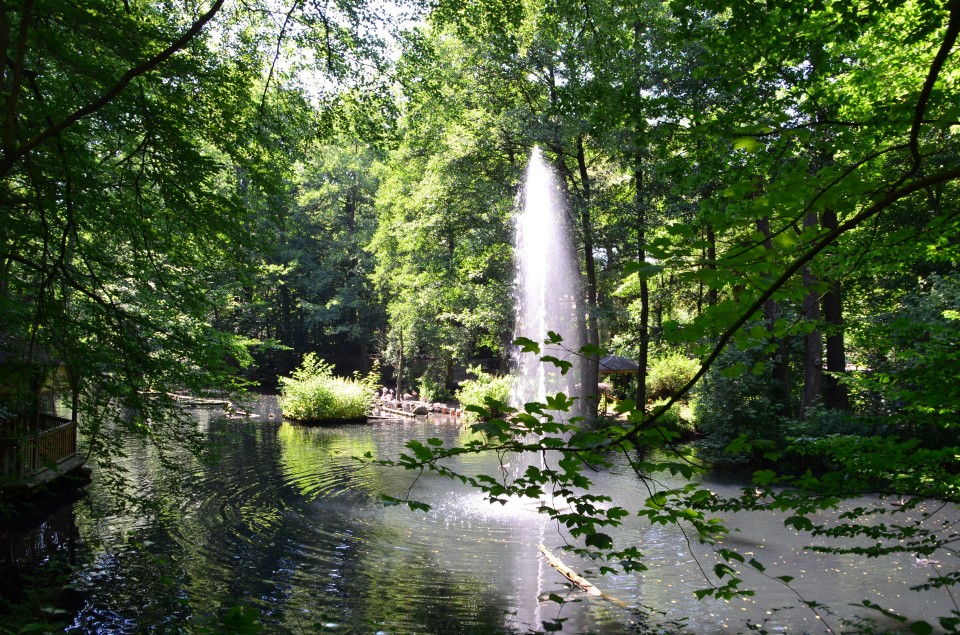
547	286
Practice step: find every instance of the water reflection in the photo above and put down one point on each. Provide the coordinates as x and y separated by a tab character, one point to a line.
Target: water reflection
289	523
37	552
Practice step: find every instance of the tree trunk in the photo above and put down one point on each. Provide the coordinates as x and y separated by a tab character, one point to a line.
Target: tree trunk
779	359
591	372
639	144
834	392
713	296
813	349
644	326
399	393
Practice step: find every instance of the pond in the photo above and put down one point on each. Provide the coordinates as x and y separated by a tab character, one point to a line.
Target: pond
289	524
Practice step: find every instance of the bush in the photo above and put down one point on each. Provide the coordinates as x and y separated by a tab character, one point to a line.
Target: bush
315	394
911	354
482	391
432	390
737	396
822	422
671	420
669	373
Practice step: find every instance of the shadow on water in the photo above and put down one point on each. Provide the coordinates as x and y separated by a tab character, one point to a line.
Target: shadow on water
40	550
291	525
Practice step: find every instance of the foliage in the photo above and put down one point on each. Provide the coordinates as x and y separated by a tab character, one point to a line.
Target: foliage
911	360
443	262
669	373
737	397
824	422
432	390
672	420
311	289
120	179
732	192
487	393
314	393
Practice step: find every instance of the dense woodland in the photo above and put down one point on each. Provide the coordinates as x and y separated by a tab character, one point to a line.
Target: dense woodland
195	194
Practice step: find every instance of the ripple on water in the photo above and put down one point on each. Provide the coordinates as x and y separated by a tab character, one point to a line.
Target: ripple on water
289	522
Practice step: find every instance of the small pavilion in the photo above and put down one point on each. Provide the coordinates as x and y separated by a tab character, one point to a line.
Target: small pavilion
36	445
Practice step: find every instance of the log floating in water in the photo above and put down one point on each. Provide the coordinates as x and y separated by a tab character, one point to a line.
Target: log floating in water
578	580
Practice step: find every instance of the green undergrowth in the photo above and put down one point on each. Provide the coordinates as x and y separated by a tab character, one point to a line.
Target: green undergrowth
486	392
314	393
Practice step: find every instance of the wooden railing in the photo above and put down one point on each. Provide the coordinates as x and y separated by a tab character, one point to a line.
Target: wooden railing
39	447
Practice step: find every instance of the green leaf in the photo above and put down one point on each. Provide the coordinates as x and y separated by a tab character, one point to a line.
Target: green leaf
559	402
598	540
801	523
562	364
592	349
418	506
422	452
750	144
764	477
527	345
643	270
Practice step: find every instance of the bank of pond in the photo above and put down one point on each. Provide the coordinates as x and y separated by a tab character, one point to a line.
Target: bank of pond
288	532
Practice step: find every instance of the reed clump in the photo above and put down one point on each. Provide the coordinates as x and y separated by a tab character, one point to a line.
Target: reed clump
314	393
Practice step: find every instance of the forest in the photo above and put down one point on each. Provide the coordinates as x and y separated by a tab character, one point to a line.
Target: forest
763	195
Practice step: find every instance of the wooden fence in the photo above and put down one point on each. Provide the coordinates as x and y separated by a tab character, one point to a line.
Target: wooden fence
32	449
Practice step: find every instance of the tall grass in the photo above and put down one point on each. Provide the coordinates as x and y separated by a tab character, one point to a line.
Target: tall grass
315	394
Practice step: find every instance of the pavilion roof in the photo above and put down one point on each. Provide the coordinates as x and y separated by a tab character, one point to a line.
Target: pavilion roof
614	364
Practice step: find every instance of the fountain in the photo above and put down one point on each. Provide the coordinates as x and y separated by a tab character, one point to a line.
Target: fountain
547	287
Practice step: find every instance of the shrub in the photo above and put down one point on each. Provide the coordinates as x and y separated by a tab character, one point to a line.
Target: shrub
912	361
671	420
737	396
669	373
822	422
432	390
483	391
315	394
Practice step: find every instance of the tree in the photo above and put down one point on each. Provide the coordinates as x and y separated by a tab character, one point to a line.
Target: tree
118	185
893	153
133	180
442	243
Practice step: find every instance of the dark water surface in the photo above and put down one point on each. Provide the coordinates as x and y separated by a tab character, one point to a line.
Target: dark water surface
288	523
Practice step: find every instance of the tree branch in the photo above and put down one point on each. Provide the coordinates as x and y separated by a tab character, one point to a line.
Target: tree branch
892	197
949	39
11	156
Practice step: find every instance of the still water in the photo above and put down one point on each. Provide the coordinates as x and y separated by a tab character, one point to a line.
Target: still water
291	525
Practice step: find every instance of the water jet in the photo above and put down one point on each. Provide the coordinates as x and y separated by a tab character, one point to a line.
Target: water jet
547	287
